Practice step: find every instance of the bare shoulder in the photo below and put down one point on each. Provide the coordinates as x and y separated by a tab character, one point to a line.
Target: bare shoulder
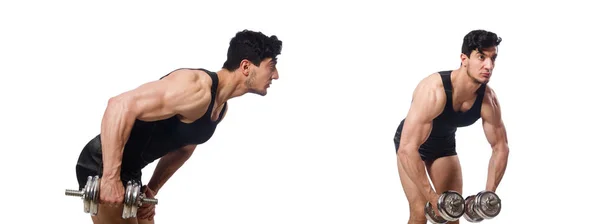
193	83
190	93
429	98
430	87
490	98
193	77
433	82
490	108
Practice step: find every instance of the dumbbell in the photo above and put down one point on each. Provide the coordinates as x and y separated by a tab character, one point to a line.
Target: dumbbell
483	205
451	206
90	194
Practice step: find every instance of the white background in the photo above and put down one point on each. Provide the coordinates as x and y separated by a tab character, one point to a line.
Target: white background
318	148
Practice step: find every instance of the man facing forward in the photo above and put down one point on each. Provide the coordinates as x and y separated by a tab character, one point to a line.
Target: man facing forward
442	102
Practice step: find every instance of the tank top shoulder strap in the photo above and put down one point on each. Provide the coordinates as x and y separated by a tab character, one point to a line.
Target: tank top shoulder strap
445	75
215	85
446	80
213	89
215	81
481	90
480	96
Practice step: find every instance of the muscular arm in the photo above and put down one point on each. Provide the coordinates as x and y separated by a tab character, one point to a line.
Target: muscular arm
168	165
181	93
428	102
495	133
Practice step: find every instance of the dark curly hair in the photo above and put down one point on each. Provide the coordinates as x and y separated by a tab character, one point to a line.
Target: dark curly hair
479	40
253	46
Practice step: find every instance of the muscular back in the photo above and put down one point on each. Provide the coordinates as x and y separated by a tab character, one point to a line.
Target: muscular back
183	92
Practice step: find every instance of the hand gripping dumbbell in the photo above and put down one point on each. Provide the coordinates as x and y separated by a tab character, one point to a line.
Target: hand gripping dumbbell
483	205
90	194
451	206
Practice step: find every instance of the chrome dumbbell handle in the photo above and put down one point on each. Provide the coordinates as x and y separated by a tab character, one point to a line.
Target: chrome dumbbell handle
77	193
89	194
492	202
149	201
457	202
74	193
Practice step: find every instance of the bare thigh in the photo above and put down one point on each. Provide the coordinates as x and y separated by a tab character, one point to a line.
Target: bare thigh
416	200
446	174
110	215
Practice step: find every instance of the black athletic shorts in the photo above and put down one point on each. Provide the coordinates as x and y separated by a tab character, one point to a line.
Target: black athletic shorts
433	148
90	164
83	173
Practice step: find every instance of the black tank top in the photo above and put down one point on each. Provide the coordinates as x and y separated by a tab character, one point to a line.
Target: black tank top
148	141
447	122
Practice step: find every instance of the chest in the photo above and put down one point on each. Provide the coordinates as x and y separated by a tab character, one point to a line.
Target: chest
197	132
216	112
461	113
214	115
201	129
464	106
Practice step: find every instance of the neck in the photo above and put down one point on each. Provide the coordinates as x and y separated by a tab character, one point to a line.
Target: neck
231	85
464	85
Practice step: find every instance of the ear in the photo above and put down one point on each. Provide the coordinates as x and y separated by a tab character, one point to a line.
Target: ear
464	60
245	67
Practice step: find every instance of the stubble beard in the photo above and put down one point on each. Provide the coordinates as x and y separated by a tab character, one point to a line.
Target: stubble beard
249	82
475	79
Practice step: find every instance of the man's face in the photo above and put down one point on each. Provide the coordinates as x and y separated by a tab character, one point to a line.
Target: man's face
260	77
480	64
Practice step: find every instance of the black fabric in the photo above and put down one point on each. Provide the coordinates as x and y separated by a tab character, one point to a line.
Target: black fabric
441	141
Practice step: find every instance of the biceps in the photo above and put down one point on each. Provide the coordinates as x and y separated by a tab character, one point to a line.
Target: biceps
495	132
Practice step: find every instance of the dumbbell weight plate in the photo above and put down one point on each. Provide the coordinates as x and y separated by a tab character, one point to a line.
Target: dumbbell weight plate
484	208
430	215
126	196
470	214
451	205
134	199
127	201
86	196
91	193
95	195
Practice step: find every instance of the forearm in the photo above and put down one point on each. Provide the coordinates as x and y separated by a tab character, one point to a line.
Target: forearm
497	166
410	160
115	129
166	167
